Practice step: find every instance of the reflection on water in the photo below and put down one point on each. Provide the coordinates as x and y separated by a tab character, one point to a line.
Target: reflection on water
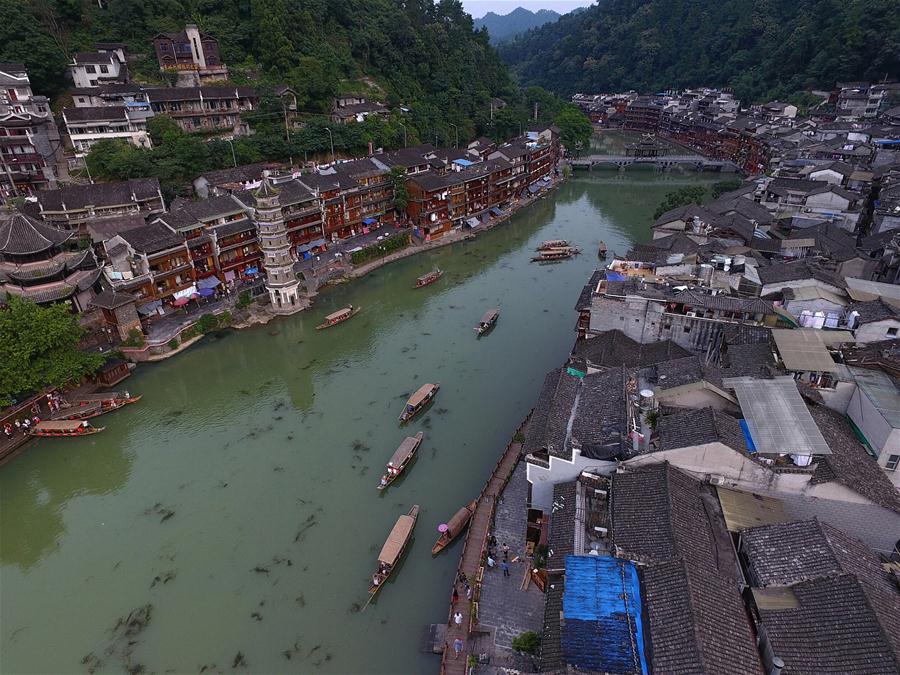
238	498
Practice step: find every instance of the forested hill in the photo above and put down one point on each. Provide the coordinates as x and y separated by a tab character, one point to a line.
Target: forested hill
505	26
762	48
420	52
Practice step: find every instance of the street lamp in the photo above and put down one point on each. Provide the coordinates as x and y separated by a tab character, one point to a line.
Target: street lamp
331	140
455	129
233	157
404	133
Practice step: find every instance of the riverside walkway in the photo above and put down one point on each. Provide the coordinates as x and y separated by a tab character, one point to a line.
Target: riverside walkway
470	562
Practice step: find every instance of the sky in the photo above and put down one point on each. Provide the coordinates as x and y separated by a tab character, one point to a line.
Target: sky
478	8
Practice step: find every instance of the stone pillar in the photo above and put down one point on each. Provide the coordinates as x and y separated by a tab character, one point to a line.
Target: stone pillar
281	281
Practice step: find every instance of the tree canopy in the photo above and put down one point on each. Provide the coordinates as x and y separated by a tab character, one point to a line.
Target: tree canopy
39	348
763	49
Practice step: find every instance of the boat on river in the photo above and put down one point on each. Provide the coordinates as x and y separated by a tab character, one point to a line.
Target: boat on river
550	254
488	321
422	397
393	549
78	412
91	405
429	278
454	526
339	316
402	456
64	428
602	250
553	243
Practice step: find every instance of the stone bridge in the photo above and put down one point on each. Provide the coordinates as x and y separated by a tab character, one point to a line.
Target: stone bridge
661	163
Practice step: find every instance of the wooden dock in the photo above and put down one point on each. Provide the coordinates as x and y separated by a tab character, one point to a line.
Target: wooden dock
470	562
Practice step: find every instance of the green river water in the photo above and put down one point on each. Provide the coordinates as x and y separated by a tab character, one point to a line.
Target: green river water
263	447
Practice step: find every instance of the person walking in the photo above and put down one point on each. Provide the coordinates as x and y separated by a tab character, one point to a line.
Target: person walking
505	567
455	597
457	619
457	647
504	549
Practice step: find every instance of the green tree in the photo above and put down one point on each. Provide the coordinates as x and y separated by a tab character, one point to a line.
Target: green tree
528	642
682	197
574	127
721	187
401	193
39	347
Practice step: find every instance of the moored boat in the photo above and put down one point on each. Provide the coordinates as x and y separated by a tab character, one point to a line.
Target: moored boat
488	321
420	398
429	278
78	412
401	457
64	428
556	254
553	243
454	526
393	548
110	400
339	317
602	250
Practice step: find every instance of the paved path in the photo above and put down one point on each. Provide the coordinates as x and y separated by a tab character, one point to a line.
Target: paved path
470	562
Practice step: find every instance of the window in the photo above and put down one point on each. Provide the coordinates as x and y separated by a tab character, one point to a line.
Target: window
90	69
892	332
892	463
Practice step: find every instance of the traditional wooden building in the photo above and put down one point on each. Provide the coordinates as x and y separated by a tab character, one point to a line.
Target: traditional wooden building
75	206
41	263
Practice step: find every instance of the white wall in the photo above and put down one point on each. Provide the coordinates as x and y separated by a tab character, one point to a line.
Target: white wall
877	330
561	471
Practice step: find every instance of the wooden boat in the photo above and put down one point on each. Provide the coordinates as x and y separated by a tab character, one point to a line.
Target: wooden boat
110	400
454	526
401	457
488	321
602	250
556	254
64	428
339	317
553	243
393	548
429	278
78	412
422	396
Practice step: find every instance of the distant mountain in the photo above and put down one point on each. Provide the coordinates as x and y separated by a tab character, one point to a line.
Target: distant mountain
506	26
761	48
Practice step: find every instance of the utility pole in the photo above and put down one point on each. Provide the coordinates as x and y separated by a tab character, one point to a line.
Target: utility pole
535	111
331	141
455	129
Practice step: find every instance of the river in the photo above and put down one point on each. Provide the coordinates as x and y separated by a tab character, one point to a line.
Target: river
238	497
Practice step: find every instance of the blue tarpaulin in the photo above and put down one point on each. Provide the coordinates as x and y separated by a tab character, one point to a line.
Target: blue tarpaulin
751	446
615	276
369	221
208	282
472	222
251	271
303	248
206	292
496	211
534	188
603	628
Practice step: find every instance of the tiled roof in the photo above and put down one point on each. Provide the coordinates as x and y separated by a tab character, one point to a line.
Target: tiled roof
613	348
98	194
687	213
584	298
874	310
849	463
755	360
23	235
692	427
112	299
697	621
152	238
551	648
561	538
677	372
108	113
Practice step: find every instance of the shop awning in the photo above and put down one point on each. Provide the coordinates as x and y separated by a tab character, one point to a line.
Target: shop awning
534	188
251	271
370	221
472	222
496	211
303	248
208	282
150	307
186	293
206	292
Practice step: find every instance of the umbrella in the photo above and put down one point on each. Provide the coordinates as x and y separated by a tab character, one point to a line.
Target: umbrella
181	302
206	292
443	527
194	296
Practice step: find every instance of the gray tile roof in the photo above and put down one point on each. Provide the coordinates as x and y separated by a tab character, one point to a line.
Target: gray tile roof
561	538
697	621
99	194
152	238
874	310
108	113
23	235
691	427
849	463
584	298
613	349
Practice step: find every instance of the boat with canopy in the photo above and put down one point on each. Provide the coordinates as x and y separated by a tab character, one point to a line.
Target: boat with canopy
422	397
339	316
487	321
64	428
393	549
402	456
429	278
452	528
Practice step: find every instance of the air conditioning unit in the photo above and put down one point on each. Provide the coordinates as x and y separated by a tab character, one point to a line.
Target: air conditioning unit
694	314
716	480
